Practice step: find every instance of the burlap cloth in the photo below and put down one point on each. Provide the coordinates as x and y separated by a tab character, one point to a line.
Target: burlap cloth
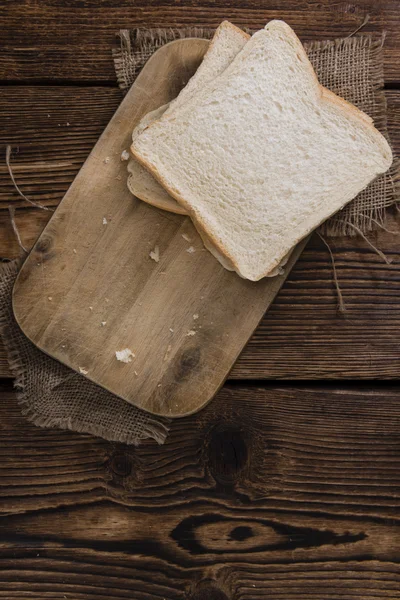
52	395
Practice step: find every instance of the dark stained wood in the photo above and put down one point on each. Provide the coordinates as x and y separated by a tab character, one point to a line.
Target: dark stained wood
304	337
71	40
52	131
267	493
276	493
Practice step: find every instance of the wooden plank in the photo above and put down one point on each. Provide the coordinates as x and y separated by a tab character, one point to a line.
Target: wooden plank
52	130
56	40
362	344
267	493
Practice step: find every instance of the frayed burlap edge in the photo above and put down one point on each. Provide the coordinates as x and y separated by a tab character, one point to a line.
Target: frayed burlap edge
150	428
146	41
137	45
347	221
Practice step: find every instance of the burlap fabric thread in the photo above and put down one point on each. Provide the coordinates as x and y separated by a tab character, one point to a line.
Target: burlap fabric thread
351	67
52	395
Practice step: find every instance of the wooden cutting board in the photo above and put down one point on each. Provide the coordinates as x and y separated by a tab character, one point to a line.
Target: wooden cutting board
89	287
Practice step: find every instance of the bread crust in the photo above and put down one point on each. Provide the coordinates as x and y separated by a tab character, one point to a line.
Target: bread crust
171	205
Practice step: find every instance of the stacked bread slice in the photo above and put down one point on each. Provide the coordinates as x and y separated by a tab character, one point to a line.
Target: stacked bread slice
255	150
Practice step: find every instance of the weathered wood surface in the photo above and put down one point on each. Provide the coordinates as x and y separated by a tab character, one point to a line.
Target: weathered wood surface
89	287
266	493
58	40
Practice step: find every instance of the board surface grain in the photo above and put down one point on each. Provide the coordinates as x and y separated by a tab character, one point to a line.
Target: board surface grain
90	288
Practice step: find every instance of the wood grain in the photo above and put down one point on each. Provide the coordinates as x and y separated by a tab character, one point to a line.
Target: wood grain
289	494
70	41
89	287
267	493
364	344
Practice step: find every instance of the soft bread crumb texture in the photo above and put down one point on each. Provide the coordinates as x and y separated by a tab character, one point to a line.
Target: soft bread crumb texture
228	40
264	154
126	355
155	254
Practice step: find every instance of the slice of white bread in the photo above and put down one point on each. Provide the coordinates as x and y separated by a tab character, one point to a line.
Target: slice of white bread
227	41
141	183
265	154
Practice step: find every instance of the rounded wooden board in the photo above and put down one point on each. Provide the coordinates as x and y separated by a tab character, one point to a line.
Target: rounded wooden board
89	287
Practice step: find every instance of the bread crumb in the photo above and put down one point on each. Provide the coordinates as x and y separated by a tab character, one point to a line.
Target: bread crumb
103	323
125	355
191	332
195	317
106	160
171	330
63	346
155	254
90	307
48	116
74	250
191	250
159	385
125	155
50	298
136	373
67	124
186	237
83	371
105	222
167	352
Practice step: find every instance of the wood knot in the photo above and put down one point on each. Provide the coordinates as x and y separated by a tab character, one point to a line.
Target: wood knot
44	244
121	465
226	535
188	362
206	590
241	533
227	453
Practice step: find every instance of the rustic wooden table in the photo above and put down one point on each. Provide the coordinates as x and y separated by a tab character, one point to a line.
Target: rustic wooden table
288	492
